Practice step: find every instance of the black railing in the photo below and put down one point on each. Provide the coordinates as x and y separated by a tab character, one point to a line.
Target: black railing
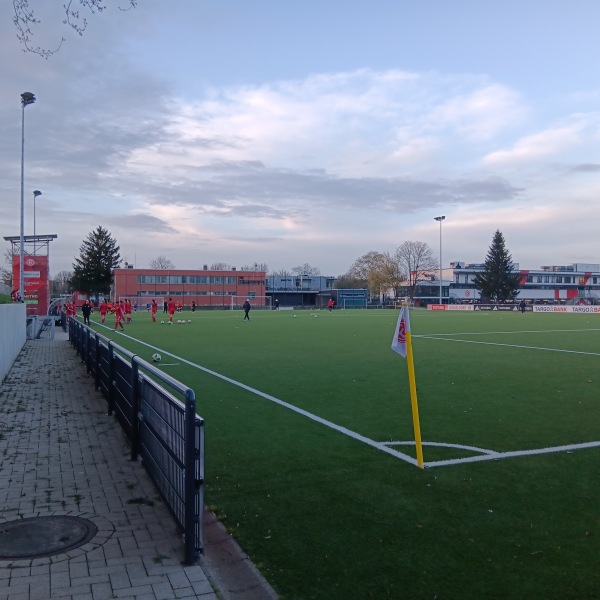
164	431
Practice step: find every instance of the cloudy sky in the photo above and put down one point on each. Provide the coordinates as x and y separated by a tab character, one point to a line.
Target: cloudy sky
292	132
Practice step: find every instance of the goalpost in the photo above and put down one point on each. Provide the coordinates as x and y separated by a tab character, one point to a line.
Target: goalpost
256	302
354	303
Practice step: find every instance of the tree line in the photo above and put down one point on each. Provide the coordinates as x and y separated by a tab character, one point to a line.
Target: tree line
379	272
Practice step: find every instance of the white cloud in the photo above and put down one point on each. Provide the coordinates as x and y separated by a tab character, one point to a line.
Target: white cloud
318	166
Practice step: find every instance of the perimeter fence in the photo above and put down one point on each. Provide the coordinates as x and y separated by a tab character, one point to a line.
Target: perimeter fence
164	430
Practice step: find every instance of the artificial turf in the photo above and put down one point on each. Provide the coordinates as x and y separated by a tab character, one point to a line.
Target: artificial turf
325	516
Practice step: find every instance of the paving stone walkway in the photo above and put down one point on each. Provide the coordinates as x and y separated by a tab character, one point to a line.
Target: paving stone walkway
62	455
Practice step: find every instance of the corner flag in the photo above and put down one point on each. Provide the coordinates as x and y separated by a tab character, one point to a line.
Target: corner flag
402	327
402	344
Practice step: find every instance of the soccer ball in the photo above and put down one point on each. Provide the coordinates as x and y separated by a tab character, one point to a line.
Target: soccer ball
156	357
162	322
189	320
179	321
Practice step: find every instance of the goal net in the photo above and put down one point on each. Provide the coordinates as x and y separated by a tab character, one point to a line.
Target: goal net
256	302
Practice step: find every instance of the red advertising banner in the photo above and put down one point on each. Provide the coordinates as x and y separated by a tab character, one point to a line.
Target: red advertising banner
36	282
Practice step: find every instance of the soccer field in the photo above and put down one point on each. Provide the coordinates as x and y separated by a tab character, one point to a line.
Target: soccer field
310	448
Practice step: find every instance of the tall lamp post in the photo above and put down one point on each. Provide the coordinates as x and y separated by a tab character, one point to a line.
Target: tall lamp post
440	219
36	193
26	99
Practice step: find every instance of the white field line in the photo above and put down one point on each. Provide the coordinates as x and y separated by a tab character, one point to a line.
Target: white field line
447	339
493	455
381	446
357	436
506	332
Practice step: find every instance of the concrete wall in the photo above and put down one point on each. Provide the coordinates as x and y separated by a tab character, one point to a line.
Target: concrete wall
12	334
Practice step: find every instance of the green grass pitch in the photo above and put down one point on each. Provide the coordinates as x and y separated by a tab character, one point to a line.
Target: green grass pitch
296	460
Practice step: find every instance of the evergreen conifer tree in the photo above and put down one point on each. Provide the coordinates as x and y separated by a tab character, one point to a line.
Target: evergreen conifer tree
498	282
98	256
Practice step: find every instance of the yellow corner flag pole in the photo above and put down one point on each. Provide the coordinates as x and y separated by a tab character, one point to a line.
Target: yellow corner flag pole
413	399
402	345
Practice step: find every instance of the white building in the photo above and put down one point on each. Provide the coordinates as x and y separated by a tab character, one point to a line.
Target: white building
562	284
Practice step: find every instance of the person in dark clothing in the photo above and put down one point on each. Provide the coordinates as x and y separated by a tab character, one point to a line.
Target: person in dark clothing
246	306
522	306
86	309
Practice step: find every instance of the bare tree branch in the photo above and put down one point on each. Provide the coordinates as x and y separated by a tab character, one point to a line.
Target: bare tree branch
25	21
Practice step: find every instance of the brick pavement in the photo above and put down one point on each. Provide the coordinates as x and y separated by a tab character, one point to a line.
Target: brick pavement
62	455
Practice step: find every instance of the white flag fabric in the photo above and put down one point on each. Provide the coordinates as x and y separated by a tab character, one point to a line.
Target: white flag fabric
402	327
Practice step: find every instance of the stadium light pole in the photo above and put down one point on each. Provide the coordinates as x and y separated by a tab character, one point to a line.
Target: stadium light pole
27	98
440	219
36	193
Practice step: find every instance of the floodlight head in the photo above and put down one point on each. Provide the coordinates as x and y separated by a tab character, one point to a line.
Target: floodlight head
439	218
36	193
27	98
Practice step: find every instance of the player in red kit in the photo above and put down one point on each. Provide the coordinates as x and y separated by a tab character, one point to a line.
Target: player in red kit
171	308
103	309
153	310
127	310
119	315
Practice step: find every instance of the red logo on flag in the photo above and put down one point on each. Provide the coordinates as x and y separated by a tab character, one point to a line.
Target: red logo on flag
402	332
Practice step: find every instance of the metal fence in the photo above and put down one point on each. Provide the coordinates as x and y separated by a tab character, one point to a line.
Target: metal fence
165	432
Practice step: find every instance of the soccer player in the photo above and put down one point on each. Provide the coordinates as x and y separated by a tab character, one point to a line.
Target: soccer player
153	309
119	314
171	308
86	310
246	306
127	310
103	309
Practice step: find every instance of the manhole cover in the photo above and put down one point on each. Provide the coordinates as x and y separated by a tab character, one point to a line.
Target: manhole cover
44	536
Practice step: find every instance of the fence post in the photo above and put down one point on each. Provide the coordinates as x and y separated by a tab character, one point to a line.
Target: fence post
191	486
88	353
111	378
135	408
98	362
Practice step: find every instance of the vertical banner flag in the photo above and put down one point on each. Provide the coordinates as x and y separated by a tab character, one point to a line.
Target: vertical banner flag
402	344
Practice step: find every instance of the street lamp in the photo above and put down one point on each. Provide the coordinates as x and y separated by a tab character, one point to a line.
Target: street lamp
440	219
26	99
36	193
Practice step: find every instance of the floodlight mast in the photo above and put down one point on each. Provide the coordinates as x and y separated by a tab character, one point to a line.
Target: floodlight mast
440	219
27	98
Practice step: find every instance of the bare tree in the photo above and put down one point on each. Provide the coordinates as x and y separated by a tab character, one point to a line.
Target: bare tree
6	271
347	281
306	269
256	267
281	273
220	266
71	13
369	268
392	275
416	260
62	283
161	263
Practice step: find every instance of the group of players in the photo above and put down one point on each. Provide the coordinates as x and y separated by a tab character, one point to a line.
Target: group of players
122	310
